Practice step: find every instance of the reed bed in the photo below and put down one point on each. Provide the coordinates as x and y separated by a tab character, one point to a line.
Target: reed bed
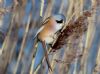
76	49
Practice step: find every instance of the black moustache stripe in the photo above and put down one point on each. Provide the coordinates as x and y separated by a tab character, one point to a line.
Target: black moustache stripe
59	21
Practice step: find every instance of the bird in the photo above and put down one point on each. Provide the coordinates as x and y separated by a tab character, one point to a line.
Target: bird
47	33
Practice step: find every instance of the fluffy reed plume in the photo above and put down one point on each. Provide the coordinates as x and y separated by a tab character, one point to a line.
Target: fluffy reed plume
75	27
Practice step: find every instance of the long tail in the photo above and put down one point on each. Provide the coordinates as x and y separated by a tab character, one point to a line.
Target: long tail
39	52
38	57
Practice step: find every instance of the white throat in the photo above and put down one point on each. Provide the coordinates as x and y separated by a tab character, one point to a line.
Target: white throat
58	26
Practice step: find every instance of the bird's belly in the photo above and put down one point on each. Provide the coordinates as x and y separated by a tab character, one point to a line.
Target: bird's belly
47	36
49	40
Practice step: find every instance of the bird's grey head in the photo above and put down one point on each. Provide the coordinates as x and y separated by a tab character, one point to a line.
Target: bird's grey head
60	18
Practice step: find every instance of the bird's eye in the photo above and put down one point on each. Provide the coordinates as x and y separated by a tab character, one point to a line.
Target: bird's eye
59	21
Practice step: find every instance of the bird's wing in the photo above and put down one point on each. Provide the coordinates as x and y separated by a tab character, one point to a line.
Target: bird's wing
41	28
46	21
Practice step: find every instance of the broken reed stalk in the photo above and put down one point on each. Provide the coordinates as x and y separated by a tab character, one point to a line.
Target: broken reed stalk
76	27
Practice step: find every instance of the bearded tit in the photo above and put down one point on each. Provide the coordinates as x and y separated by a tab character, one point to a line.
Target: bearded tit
46	34
51	26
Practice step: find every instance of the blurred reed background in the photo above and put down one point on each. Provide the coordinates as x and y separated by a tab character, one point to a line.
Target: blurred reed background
20	20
